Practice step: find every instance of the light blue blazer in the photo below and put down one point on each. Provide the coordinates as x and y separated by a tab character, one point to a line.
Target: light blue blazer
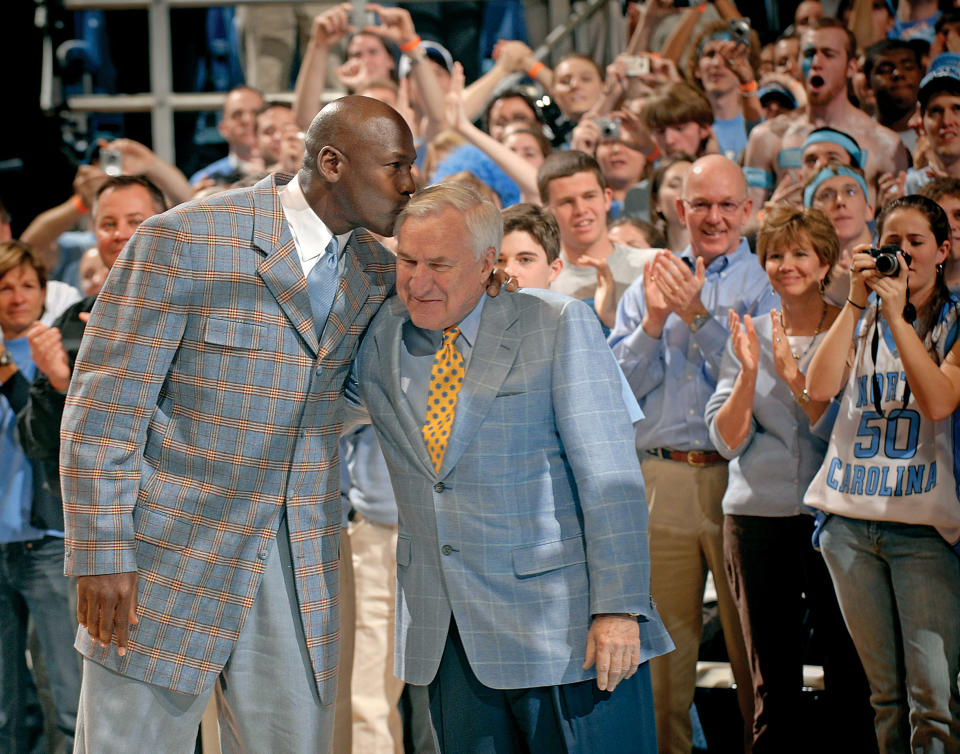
537	519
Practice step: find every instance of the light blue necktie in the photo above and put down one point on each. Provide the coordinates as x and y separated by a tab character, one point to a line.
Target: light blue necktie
322	285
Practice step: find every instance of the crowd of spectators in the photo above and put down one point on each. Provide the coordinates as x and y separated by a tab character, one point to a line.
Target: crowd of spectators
719	203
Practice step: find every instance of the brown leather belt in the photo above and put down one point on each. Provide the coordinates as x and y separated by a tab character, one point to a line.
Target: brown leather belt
691	457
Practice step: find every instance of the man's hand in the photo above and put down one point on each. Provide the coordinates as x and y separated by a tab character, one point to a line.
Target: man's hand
47	352
107	605
500	279
614	644
88	179
679	286
657	310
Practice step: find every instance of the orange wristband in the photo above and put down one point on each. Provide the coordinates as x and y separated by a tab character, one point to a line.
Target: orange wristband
78	205
701	8
534	69
410	46
749	88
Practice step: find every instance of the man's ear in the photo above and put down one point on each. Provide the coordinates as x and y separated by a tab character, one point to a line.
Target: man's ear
555	266
489	261
330	164
607	198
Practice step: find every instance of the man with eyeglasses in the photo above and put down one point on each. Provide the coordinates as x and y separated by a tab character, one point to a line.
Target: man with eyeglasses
840	192
669	337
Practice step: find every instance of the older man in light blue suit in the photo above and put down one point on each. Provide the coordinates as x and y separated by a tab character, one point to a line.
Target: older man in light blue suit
522	552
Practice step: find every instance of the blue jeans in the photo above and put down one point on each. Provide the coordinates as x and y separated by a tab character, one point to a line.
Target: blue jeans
899	591
32	584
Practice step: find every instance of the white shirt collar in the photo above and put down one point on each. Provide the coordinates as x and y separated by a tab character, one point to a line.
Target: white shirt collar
310	234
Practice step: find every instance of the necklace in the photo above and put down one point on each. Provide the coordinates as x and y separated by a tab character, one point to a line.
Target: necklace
816	332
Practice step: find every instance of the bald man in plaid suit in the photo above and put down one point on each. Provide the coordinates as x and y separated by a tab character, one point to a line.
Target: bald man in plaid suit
199	449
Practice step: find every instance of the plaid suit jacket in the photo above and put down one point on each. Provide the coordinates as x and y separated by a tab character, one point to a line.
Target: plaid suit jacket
203	405
537	519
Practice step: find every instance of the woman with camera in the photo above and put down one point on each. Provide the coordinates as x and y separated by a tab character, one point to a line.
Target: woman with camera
888	485
762	419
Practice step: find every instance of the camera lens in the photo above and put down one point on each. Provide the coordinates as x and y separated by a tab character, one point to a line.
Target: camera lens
887	264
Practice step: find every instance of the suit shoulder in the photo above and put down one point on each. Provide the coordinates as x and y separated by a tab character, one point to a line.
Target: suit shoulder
530	300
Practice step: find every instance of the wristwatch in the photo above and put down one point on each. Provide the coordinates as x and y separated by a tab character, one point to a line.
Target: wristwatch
5	358
699	321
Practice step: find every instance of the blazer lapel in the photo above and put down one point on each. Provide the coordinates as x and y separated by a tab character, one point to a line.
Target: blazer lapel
493	355
280	270
409	426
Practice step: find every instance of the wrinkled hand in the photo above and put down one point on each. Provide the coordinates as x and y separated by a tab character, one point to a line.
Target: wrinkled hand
679	286
107	606
332	25
746	347
613	642
88	179
500	279
513	56
47	352
395	24
783	360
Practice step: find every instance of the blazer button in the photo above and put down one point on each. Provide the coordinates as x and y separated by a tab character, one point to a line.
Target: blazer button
446	549
262	554
439	487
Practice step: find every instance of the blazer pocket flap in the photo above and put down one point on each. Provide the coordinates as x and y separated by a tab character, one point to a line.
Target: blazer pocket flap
403	551
548	556
232	333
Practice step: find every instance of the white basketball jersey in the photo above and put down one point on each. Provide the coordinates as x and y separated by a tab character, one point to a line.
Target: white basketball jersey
895	465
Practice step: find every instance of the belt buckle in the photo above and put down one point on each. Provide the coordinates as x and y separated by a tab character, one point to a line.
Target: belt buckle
691	458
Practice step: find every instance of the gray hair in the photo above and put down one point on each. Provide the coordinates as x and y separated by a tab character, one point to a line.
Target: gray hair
483	219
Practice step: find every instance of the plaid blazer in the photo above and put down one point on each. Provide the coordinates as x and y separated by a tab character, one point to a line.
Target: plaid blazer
203	406
537	519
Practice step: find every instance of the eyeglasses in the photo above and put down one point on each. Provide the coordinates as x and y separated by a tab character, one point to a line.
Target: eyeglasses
726	208
829	195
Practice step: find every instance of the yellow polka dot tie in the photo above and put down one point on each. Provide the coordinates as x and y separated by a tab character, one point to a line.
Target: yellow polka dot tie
446	377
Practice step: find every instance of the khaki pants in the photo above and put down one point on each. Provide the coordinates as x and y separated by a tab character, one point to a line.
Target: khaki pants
686	538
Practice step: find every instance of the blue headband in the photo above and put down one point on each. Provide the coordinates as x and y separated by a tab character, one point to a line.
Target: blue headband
825	175
840	139
721	34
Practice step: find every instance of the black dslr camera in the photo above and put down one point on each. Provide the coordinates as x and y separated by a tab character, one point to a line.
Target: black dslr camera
887	262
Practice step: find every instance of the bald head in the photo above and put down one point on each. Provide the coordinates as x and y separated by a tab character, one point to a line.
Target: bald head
358	167
350	122
715	206
715	168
